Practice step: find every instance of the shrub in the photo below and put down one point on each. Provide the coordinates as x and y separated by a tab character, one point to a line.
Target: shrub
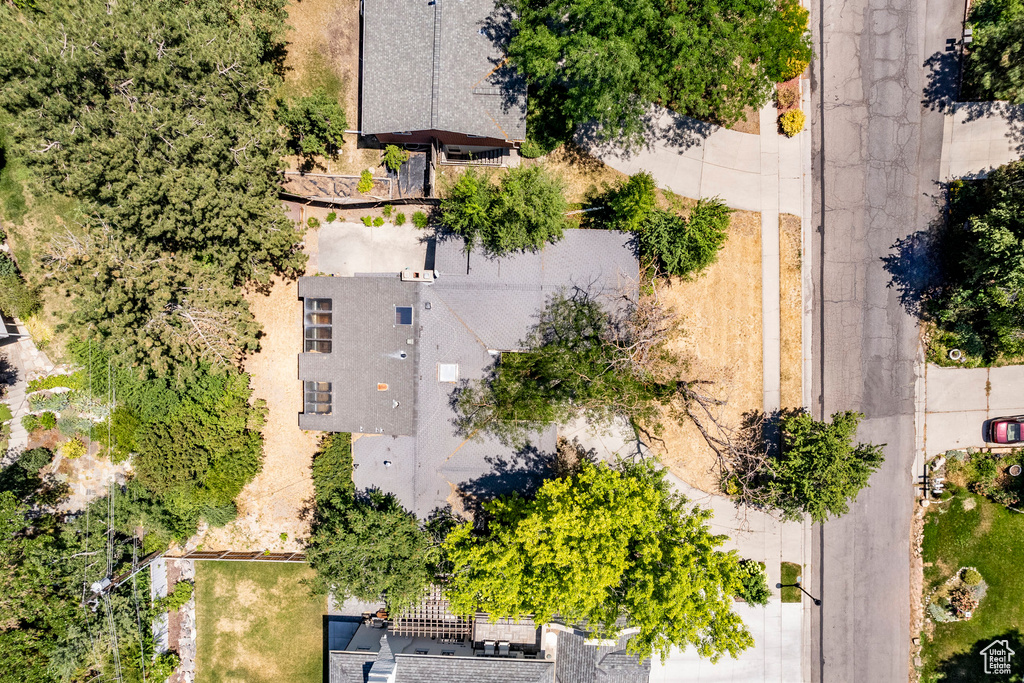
378	221
7	265
332	216
787	96
73	381
30	423
220	515
754	583
387	210
400	218
794	67
939	613
176	599
367	221
630	204
394	157
332	467
420	220
316	123
72	449
962	601
792	122
685	247
5	412
17	299
313	222
48	420
71	426
531	150
971	576
52	402
365	182
787	42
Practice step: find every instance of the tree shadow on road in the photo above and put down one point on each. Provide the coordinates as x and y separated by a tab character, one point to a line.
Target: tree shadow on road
942	81
970	665
913	267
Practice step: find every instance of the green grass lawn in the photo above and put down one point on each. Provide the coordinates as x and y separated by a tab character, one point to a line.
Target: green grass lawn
790	573
991	538
256	622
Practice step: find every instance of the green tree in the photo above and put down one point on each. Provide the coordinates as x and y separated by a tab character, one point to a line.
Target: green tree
368	547
525	211
685	247
980	303
819	469
607	61
576	365
630	204
995	58
394	157
316	124
600	545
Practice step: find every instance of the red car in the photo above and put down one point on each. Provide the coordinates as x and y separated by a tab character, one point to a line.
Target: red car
1006	430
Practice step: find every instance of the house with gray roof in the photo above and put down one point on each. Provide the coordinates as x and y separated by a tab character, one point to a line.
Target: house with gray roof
433	73
384	352
431	644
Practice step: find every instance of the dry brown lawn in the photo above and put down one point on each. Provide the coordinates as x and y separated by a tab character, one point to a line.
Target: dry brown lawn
791	300
255	622
273	502
750	123
721	342
323	52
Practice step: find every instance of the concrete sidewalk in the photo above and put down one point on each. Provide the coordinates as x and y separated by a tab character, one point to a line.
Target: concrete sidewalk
980	136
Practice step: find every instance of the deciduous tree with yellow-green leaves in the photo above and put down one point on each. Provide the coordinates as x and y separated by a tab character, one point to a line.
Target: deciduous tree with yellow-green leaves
603	543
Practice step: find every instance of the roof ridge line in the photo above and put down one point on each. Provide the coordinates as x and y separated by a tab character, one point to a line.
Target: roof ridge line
435	85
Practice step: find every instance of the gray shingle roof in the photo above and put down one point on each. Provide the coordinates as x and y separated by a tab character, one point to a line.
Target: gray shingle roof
491	305
580	662
423	668
367	346
350	667
434	66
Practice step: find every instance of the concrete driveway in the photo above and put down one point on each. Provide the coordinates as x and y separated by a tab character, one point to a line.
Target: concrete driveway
958	401
349	248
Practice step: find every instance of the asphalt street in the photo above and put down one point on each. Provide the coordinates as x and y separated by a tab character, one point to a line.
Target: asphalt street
877	146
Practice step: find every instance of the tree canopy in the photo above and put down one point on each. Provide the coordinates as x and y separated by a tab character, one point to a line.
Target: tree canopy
608	61
363	544
994	65
685	246
316	123
980	303
577	363
819	469
599	545
525	210
156	118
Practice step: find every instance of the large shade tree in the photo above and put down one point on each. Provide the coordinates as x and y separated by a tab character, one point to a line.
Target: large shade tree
602	544
609	60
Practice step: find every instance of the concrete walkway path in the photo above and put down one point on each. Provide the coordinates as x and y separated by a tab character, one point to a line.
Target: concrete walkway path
767	173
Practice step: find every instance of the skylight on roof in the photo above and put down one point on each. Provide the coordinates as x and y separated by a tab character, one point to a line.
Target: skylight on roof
403	315
447	372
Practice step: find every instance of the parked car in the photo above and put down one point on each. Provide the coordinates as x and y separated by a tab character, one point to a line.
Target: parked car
1006	430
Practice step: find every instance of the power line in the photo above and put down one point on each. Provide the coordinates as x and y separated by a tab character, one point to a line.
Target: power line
138	617
113	637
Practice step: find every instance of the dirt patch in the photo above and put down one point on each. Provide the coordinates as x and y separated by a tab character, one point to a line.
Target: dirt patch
750	123
720	342
270	508
791	303
323	52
